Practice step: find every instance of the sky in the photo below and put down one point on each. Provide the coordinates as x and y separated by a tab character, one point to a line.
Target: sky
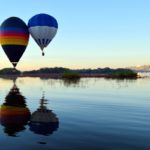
91	33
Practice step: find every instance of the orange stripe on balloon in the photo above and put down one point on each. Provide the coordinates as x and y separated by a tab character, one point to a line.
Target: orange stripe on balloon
14	37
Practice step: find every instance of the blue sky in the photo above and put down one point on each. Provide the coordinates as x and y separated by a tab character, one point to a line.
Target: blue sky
91	34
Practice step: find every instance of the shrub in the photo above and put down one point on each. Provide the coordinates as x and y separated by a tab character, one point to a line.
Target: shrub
124	74
71	75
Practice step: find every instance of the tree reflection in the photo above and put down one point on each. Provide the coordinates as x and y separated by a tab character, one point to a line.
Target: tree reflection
43	121
14	114
73	82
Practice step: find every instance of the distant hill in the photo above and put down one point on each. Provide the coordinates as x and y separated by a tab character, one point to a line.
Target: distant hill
142	68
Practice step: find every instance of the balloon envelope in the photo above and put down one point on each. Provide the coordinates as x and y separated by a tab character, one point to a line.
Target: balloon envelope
43	28
14	36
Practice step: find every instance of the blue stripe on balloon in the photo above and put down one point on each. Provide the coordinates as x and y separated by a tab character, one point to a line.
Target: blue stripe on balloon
43	20
43	41
11	29
46	41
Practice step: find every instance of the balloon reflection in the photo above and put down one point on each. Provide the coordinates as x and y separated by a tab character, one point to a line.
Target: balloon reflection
14	114
43	121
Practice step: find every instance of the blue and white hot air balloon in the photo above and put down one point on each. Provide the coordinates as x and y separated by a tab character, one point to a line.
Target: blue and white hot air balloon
43	28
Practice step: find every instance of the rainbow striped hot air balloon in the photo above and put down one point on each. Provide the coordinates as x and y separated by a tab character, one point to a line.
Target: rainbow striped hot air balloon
43	28
14	38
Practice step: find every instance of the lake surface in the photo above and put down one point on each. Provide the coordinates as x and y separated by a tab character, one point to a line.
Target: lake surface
90	114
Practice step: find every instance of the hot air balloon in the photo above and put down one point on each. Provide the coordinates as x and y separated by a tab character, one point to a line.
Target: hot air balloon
42	28
14	36
14	114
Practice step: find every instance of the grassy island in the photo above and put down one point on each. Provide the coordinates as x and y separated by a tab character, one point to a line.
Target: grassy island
124	74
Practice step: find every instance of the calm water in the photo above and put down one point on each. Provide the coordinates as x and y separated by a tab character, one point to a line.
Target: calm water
90	114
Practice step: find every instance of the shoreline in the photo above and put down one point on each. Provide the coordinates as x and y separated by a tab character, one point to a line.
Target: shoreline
59	76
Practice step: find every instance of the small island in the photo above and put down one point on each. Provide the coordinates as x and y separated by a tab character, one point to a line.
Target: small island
66	73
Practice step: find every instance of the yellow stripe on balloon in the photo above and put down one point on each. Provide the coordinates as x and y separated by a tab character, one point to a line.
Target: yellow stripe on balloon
13	42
